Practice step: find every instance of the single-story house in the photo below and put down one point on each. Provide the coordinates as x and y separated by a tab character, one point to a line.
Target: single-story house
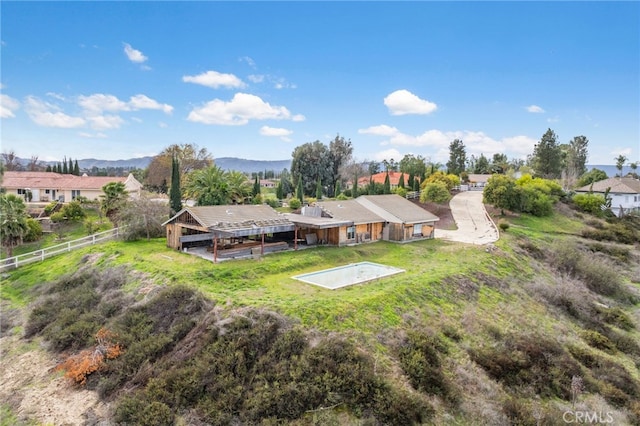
236	229
405	220
478	180
50	186
624	193
366	218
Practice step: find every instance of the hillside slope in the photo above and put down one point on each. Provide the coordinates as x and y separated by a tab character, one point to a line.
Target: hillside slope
542	324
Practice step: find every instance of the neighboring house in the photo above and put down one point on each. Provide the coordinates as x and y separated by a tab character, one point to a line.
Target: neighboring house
266	183
394	179
49	186
478	181
624	193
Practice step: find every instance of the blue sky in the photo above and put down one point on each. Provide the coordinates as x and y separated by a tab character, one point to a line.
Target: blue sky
115	80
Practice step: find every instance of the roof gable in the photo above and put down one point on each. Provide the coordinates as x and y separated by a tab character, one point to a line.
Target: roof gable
623	185
396	209
349	210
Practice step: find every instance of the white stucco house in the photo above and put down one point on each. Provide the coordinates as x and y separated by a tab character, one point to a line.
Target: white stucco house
624	193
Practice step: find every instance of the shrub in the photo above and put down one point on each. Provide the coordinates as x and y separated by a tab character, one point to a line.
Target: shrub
273	202
503	225
294	204
57	217
598	341
34	230
49	207
73	211
589	203
436	192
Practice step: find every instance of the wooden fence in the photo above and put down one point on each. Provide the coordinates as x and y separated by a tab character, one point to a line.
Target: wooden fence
42	254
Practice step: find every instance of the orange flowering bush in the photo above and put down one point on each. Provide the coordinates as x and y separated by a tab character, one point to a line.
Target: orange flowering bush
77	367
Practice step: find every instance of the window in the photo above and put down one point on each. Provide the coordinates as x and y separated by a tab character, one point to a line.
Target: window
47	191
417	229
22	191
351	233
75	193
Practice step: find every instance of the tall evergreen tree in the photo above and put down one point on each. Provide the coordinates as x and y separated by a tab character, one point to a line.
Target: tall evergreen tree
65	169
49	169
175	200
457	157
299	191
256	187
338	190
620	161
354	191
319	190
401	181
76	169
70	167
547	156
387	184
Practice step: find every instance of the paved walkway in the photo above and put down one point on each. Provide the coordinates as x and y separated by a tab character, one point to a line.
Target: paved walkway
474	226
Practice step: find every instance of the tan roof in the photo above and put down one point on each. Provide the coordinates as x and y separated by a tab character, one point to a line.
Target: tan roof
625	185
50	180
349	210
396	209
479	178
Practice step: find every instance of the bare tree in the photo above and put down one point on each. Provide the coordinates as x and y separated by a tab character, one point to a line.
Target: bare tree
10	161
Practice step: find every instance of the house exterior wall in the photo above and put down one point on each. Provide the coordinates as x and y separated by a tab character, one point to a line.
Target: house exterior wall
626	201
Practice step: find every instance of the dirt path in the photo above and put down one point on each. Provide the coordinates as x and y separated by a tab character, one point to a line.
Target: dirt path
35	393
474	225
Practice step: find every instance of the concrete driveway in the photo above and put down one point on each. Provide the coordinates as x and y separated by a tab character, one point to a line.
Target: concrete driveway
474	225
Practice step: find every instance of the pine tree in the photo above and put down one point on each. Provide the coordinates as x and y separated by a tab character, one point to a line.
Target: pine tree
70	167
547	156
175	195
65	169
457	157
76	169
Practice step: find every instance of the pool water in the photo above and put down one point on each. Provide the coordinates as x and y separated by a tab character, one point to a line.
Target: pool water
347	275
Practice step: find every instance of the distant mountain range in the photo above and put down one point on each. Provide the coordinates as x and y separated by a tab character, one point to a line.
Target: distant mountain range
225	163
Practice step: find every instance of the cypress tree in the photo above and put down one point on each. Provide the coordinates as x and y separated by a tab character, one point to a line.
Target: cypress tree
338	190
256	187
48	168
354	191
175	196
76	169
387	184
319	189
65	169
70	167
299	193
401	181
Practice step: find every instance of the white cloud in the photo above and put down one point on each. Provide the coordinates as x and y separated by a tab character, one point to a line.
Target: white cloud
214	80
256	78
281	83
144	102
535	109
274	131
381	130
388	155
8	105
92	135
298	117
248	60
476	142
136	119
622	151
162	124
402	102
105	122
134	55
97	103
49	115
242	108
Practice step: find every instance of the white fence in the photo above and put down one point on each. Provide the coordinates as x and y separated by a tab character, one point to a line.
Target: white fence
40	255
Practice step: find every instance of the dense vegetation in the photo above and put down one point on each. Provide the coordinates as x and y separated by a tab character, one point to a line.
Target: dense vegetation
543	323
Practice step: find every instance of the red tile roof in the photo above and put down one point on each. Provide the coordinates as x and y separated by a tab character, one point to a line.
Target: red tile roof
50	180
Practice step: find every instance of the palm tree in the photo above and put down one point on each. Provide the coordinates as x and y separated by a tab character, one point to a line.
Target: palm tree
115	194
634	166
13	221
620	160
238	185
208	187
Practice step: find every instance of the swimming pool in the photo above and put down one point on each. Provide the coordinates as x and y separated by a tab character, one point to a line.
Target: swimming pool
342	276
